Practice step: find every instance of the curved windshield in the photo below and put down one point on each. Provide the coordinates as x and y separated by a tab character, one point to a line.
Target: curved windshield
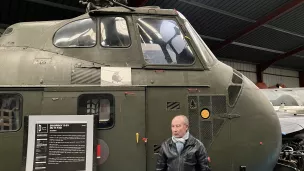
205	52
163	42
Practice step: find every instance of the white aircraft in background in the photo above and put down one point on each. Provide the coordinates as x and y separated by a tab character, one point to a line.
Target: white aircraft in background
289	109
289	106
289	100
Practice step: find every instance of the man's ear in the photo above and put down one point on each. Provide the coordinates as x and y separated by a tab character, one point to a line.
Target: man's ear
187	126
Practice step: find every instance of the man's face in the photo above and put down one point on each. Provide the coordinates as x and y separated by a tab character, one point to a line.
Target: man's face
178	127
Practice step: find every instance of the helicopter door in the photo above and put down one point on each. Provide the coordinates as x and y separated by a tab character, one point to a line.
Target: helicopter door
121	127
162	105
123	146
14	105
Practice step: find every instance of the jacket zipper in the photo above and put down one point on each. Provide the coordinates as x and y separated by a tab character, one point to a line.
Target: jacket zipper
179	156
178	162
179	159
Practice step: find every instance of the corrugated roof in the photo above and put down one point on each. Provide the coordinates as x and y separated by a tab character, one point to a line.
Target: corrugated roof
216	25
210	43
13	11
272	39
291	21
207	22
239	53
225	18
252	9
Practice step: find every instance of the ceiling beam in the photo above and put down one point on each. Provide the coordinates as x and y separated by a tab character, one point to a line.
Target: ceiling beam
243	44
276	13
57	5
280	57
247	45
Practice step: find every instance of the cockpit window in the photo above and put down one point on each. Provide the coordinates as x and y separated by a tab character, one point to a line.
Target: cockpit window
114	32
81	33
163	42
205	52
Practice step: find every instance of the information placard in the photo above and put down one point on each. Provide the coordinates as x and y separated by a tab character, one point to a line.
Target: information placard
60	143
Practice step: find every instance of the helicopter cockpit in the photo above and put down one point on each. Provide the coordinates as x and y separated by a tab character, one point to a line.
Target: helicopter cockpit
166	41
162	40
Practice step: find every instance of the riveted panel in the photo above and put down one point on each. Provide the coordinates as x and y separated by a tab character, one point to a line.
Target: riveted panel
236	79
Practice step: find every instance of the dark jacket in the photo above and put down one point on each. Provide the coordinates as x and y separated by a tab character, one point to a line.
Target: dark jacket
192	158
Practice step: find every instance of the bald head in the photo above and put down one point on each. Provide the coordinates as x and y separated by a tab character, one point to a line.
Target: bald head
183	118
179	126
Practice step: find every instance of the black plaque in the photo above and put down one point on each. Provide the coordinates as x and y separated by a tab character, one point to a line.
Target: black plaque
60	147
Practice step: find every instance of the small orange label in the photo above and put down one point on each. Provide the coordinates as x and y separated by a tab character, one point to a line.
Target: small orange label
205	114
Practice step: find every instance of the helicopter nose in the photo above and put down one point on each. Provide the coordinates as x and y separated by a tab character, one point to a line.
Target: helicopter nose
256	132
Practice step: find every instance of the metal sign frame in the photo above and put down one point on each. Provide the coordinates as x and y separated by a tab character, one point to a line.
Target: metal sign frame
30	135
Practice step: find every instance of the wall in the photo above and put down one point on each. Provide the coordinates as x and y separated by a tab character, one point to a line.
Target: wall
271	75
249	70
289	78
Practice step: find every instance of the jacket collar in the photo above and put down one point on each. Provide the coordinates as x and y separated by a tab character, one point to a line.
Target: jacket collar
189	142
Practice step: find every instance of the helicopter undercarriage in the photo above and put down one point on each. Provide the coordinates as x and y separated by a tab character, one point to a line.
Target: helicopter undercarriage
292	153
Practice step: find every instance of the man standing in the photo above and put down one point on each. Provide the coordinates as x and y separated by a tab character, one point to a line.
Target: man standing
182	152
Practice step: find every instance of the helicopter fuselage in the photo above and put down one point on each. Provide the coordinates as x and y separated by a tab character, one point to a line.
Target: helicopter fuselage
136	70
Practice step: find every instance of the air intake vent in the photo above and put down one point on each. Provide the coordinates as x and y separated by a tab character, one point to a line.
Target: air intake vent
205	101
237	73
206	129
236	79
233	93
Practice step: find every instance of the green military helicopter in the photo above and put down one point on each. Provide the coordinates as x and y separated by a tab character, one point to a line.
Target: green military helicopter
136	68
